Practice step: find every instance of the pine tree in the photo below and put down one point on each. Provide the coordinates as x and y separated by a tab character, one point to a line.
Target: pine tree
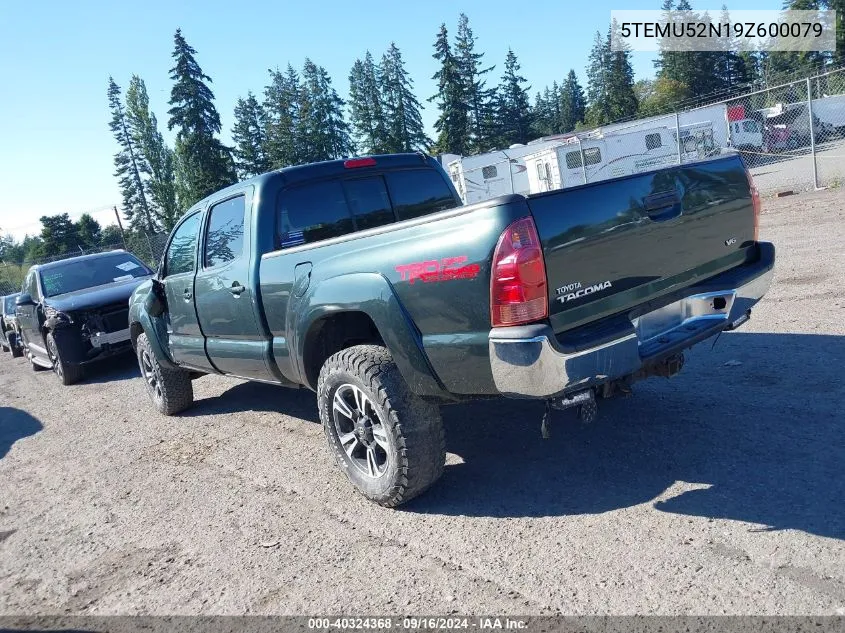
128	172
572	103
158	164
88	231
452	124
249	137
599	110
281	111
405	129
514	109
732	71
58	236
700	71
322	130
477	96
620	91
207	163
366	111
546	115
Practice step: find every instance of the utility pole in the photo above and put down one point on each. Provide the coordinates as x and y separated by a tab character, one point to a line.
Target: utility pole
120	226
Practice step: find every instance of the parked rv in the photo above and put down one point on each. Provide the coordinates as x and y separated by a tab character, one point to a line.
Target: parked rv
614	155
492	174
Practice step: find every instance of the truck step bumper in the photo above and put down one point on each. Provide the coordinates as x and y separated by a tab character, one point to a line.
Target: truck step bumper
530	361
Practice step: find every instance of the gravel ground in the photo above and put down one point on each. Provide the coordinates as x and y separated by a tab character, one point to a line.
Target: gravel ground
718	491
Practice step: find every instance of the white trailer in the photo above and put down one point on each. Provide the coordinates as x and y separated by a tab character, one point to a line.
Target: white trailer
741	133
486	176
600	156
831	111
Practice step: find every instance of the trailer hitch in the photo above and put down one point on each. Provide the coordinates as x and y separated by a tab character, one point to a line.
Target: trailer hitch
585	401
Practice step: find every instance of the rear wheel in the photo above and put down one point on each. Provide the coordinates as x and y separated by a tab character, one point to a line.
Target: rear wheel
68	373
388	441
170	389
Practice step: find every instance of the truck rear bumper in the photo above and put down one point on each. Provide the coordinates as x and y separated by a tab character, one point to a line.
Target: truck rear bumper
532	362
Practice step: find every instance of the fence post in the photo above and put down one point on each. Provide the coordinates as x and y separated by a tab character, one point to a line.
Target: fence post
678	135
812	134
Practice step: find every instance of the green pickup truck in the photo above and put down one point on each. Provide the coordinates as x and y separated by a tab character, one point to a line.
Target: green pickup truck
366	281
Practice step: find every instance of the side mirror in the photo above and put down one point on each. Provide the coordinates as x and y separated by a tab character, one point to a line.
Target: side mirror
24	300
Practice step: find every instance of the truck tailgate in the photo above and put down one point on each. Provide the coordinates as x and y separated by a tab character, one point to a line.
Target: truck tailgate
612	245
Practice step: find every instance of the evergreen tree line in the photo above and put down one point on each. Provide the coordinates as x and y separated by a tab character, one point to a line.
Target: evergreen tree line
299	116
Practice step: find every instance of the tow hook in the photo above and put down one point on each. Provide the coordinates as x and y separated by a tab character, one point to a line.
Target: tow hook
585	401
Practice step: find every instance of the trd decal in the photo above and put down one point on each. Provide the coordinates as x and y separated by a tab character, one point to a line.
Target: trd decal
442	270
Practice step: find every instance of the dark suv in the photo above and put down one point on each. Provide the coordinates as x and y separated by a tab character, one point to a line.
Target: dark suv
8	326
75	311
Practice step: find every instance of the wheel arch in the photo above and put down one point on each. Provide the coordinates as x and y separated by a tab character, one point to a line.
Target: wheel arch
361	308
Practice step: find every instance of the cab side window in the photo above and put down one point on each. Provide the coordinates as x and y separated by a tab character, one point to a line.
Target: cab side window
310	213
181	255
224	239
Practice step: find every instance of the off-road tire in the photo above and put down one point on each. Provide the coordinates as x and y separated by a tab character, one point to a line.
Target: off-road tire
175	392
415	430
15	346
68	373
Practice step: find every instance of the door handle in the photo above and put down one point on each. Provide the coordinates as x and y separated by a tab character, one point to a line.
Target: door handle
187	294
236	289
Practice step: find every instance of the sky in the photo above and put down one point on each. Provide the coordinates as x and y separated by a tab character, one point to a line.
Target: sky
56	57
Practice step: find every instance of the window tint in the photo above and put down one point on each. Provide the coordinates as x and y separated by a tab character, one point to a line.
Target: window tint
489	172
750	126
418	192
313	212
368	202
224	239
182	252
653	141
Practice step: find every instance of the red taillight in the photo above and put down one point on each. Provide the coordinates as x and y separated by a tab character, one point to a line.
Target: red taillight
755	203
353	163
518	288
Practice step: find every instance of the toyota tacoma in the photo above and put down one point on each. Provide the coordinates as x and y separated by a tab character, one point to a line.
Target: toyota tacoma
366	281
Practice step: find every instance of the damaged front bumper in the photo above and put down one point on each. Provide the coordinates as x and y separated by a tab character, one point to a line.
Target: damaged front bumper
532	362
84	338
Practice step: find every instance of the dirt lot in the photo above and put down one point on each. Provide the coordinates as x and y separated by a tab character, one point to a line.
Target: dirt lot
719	491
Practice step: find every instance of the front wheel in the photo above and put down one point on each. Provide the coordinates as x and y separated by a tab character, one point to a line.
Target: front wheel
170	389
68	373
389	442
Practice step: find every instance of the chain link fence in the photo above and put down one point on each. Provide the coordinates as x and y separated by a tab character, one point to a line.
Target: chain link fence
791	136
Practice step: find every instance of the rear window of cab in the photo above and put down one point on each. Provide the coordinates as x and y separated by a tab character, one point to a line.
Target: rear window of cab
331	208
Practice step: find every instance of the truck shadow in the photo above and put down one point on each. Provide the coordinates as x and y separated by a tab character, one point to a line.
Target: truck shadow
758	440
15	425
257	396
